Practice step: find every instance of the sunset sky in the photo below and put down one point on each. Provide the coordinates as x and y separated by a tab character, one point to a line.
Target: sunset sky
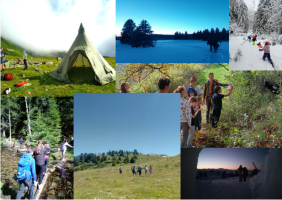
231	158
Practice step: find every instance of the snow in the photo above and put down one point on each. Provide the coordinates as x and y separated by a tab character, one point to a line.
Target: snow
229	188
252	57
267	183
173	51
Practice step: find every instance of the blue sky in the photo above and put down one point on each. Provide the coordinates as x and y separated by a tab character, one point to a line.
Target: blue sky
146	122
167	17
231	158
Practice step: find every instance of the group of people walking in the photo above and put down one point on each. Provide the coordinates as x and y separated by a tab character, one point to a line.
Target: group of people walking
32	166
138	170
243	173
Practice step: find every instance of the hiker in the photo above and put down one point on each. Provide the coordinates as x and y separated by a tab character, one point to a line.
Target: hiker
139	169
185	114
208	94
146	170
217	104
21	141
120	170
198	119
254	39
240	172
48	154
39	156
63	148
26	175
245	173
250	39
151	169
191	92
133	171
194	112
274	88
124	87
212	41
266	54
2	59
24	58
164	85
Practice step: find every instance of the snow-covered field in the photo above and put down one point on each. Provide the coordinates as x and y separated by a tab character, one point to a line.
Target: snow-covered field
173	51
252	57
229	188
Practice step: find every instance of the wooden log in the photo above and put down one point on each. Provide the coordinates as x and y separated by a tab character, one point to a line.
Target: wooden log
22	150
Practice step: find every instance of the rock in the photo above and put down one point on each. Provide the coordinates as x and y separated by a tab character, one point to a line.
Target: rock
23	75
50	63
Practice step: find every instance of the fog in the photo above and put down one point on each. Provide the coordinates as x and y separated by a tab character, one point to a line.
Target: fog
52	25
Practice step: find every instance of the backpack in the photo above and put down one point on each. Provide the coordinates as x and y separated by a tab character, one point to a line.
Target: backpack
23	168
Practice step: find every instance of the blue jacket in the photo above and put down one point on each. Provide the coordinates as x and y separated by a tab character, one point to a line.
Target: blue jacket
31	165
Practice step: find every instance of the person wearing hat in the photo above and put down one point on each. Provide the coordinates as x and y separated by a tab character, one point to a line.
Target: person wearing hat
266	54
48	154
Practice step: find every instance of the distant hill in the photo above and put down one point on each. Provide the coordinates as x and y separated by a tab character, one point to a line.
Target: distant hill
14	50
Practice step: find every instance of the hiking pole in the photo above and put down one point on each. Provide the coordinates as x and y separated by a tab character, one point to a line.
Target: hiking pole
244	42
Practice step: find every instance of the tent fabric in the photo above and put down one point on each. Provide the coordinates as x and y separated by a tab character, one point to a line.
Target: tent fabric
83	53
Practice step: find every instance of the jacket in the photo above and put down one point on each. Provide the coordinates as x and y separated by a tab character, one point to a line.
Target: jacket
32	175
40	158
207	91
266	49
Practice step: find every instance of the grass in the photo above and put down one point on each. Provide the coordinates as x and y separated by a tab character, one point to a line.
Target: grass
82	80
107	183
11	49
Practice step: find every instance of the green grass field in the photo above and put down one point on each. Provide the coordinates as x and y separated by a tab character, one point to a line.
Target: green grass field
42	84
107	183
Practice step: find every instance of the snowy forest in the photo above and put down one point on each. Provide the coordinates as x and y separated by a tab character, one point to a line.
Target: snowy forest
266	19
203	35
33	119
137	36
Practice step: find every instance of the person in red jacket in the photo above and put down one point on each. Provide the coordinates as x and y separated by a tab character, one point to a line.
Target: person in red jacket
266	54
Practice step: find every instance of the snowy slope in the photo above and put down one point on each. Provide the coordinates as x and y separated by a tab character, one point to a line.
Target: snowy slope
173	51
252	57
229	188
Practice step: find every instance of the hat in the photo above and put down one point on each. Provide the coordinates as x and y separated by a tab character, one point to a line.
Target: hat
46	142
266	42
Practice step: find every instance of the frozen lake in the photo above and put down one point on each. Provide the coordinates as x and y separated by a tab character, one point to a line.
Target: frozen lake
173	51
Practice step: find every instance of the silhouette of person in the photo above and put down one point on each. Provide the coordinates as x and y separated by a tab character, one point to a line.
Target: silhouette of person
240	172
245	173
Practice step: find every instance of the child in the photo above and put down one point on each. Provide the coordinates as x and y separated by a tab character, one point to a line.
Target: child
48	154
194	111
266	50
134	171
250	39
260	46
26	174
217	104
120	170
124	87
198	119
63	148
151	169
254	39
146	170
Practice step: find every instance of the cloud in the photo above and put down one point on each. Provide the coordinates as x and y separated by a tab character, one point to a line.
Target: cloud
48	25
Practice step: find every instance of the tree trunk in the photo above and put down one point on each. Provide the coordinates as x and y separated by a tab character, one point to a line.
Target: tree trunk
10	122
28	116
3	128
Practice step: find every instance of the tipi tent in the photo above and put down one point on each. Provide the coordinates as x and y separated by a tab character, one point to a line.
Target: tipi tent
83	53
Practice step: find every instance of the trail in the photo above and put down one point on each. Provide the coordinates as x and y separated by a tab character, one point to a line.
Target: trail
252	57
229	188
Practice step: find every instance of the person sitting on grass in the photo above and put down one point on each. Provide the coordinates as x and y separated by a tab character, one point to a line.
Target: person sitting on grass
217	104
198	119
63	148
164	85
26	175
194	110
120	170
185	114
124	87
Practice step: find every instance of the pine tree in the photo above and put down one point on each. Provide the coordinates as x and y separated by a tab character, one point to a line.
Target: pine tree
243	19
126	159
127	32
132	160
186	36
143	36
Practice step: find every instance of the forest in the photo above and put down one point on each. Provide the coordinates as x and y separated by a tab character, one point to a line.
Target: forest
203	35
267	19
90	160
33	119
251	115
